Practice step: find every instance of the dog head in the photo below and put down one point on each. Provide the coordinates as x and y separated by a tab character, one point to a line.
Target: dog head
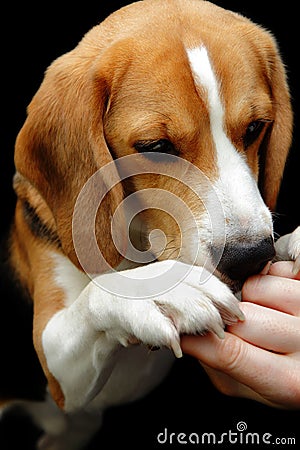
202	88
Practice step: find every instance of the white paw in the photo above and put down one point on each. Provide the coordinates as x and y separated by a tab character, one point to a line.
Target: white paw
288	248
192	306
70	441
47	442
79	429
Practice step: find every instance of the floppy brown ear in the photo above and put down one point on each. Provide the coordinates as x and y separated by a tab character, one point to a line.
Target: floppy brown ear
277	143
62	144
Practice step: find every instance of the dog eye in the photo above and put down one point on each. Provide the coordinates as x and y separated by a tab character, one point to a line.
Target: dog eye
160	146
253	131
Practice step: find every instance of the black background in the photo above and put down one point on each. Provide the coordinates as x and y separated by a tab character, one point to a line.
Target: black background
33	34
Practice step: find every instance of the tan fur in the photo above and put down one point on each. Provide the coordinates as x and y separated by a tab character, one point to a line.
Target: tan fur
99	96
35	271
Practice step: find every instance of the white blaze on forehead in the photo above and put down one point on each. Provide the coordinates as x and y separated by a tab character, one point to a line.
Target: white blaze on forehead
235	186
205	77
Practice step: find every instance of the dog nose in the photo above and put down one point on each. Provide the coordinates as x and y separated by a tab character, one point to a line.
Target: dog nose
242	259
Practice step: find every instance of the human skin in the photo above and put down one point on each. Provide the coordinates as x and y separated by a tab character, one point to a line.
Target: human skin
259	358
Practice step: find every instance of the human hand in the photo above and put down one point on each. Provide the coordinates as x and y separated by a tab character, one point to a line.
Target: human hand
260	357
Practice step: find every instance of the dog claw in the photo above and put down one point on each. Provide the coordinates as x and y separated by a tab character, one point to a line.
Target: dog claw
241	316
218	330
175	345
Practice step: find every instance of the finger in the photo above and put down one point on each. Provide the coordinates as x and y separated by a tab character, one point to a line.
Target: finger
283	269
229	386
264	372
268	329
274	292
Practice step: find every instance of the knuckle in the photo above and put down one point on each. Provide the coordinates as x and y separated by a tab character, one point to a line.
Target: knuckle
231	354
252	287
292	391
225	387
224	383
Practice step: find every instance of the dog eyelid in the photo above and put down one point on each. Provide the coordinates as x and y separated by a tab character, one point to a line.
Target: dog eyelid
253	131
159	146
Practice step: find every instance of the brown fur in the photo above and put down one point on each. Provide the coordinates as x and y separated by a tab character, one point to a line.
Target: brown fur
122	84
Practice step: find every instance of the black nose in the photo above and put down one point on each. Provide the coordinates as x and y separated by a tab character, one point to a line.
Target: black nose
242	259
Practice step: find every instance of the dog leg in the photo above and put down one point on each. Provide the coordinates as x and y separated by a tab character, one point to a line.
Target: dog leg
61	431
79	429
81	342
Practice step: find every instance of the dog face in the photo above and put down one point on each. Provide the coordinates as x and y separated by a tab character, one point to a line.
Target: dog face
199	87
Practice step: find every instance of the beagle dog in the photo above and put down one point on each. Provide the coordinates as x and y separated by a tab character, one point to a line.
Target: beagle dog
146	172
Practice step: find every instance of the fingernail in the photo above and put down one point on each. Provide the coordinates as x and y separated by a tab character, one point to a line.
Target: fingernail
266	269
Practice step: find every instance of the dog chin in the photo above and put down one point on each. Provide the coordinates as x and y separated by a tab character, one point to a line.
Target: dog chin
234	285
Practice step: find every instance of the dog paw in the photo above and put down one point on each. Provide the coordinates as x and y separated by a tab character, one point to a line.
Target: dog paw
288	248
198	303
47	442
78	431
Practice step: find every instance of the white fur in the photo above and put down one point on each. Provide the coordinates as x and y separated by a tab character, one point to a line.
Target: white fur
88	344
94	329
288	248
244	210
61	431
69	278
